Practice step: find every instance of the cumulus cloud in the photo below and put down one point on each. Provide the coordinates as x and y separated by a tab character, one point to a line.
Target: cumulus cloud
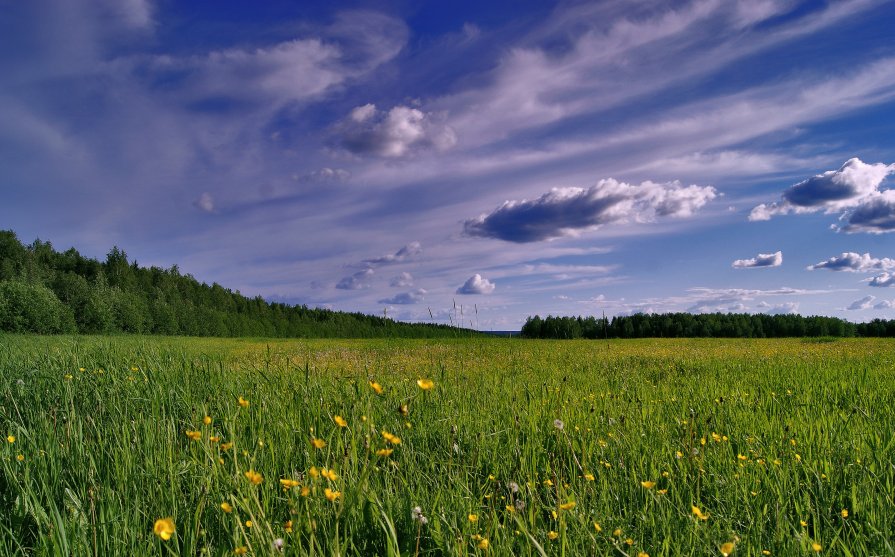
762	260
205	202
405	298
568	211
855	263
395	133
476	284
403	280
410	250
884	304
876	215
785	308
863	303
883	280
357	281
853	191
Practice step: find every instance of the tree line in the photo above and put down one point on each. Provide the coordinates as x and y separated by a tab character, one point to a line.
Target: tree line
713	325
46	291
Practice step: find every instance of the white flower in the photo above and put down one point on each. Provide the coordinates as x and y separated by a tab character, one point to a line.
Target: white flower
557	423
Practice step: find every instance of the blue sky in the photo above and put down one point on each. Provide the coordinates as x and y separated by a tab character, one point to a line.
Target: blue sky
514	158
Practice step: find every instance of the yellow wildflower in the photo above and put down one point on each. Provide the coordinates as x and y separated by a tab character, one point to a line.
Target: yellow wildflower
11	438
206	420
510	509
20	457
617	533
643	554
288	526
816	547
384	452
226	446
483	543
473	517
597	527
377	388
648	484
254	477
305	491
567	506
318	443
194	435
698	512
329	474
248	523
314	472
214	438
340	421
225	506
243	402
726	548
844	513
552	535
425	384
164	528
331	495
589	477
241	550
288	483
393	439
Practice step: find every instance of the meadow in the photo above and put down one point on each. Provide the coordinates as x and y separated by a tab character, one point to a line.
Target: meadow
176	446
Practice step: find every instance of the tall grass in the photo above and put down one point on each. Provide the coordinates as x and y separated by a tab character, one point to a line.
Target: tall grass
522	447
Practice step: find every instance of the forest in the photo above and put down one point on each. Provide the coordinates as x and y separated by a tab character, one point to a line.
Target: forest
49	292
715	325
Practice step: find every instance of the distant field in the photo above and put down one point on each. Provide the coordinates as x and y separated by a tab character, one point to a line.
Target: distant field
663	447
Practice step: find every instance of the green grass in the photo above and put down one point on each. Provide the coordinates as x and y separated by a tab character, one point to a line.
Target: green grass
803	431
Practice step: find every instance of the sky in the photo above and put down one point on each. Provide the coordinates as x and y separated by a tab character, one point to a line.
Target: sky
509	158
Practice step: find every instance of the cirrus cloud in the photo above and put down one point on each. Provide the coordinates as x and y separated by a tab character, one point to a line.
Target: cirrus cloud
569	211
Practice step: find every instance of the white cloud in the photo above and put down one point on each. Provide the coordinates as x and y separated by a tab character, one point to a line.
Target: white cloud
205	202
855	263
395	133
874	215
325	175
410	250
476	284
406	298
403	280
850	187
863	303
883	280
762	260
884	304
568	211
785	308
357	281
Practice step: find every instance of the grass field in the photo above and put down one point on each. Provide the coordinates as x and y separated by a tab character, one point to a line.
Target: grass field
678	447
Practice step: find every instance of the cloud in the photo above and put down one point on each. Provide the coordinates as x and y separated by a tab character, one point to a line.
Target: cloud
855	263
568	211
405	298
325	175
205	202
852	186
875	215
395	133
863	303
883	280
357	281
403	280
410	250
785	308
477	285
884	304
762	260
